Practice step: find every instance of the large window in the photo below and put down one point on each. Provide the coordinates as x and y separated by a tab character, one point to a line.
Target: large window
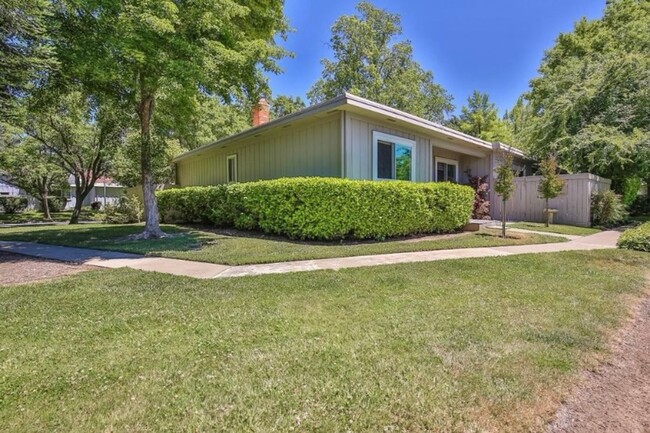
231	168
446	170
393	157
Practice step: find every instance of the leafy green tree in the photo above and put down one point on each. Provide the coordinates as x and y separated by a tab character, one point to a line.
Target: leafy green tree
480	118
551	184
30	166
369	63
24	48
161	55
79	133
591	101
283	105
505	185
211	120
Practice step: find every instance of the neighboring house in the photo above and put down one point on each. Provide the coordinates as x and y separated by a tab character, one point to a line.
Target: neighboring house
106	191
9	189
347	137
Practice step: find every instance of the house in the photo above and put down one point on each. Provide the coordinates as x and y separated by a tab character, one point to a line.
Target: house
9	189
106	191
348	137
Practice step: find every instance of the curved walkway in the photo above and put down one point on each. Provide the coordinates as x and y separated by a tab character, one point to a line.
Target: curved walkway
110	259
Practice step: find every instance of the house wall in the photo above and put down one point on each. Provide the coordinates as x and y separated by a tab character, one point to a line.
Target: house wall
308	149
573	204
113	193
358	151
358	147
8	189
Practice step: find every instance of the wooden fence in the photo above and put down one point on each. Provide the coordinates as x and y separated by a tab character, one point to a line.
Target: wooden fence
573	204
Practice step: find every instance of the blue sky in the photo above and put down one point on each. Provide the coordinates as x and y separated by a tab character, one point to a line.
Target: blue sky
490	45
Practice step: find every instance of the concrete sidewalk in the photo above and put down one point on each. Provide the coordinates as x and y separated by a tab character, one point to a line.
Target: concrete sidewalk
109	259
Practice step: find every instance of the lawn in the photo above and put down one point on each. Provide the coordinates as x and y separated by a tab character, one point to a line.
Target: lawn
37	217
555	228
465	345
238	248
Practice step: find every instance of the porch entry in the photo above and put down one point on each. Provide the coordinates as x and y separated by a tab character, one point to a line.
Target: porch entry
445	170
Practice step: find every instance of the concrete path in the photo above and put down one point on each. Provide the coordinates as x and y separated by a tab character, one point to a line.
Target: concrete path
109	259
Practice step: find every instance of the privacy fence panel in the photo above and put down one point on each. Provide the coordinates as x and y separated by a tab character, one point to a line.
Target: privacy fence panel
573	204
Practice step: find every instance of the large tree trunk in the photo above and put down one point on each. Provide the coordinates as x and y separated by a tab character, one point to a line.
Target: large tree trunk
81	191
44	193
152	226
46	206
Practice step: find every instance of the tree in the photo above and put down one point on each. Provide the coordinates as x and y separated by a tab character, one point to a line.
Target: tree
30	166
26	53
79	133
283	105
591	102
161	55
551	184
505	185
480	118
367	62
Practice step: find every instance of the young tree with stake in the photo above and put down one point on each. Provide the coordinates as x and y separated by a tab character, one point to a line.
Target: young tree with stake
551	184
505	185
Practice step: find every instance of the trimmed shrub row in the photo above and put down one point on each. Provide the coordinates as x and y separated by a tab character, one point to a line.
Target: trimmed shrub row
323	208
637	238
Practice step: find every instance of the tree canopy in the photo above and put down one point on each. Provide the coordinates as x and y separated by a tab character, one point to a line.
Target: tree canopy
590	104
283	105
368	62
24	47
480	118
160	56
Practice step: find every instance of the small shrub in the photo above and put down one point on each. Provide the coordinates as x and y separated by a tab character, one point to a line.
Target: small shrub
637	238
640	206
96	205
481	189
631	187
13	205
324	208
56	204
607	209
127	210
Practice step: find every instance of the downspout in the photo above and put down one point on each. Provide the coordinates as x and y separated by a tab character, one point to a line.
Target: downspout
343	137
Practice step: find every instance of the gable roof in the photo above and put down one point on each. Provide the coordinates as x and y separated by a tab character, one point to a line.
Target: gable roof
350	102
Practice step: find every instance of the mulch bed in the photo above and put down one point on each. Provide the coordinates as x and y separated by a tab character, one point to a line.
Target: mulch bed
17	269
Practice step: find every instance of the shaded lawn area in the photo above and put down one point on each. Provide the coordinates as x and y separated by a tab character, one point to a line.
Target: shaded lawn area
464	345
37	217
238	249
555	228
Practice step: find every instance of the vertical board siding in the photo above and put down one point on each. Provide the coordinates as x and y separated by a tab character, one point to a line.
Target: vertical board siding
312	149
358	148
573	204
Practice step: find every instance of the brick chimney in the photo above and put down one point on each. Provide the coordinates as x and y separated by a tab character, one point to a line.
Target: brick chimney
261	112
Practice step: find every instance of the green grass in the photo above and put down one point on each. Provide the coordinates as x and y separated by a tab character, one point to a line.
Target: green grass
465	345
207	246
555	228
37	217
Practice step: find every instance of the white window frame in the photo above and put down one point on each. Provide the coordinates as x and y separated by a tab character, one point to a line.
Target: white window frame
444	161
236	175
394	139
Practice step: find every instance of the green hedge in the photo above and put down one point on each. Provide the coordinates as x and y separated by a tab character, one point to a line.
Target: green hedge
324	208
637	238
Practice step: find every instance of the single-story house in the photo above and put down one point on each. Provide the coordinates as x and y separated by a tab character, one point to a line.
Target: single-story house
347	137
106	191
9	189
